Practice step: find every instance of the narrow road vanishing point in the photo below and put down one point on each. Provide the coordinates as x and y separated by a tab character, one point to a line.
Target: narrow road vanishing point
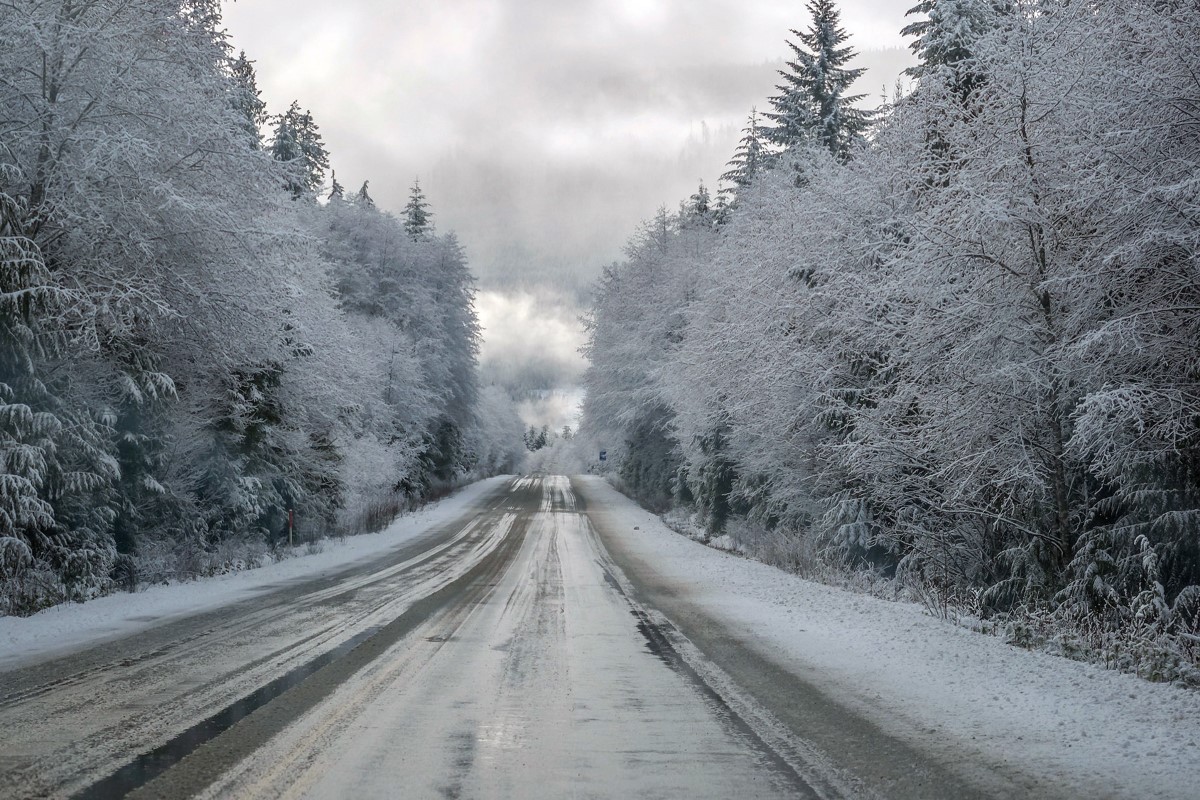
517	652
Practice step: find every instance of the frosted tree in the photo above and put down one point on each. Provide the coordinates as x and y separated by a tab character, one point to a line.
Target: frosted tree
98	158
424	289
698	210
336	190
1138	200
246	98
813	106
635	328
362	197
945	40
296	143
130	167
494	443
418	219
54	464
185	353
970	365
749	158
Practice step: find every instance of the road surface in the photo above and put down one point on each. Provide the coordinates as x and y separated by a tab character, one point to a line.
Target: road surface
515	652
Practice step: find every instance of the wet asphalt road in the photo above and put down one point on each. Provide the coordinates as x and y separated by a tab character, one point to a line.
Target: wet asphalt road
515	652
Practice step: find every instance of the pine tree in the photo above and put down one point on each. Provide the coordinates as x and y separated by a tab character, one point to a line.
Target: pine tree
297	144
813	106
724	206
697	212
363	198
246	99
336	190
418	219
945	39
56	471
749	157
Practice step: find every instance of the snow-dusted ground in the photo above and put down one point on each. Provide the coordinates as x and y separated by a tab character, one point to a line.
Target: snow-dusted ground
66	628
952	692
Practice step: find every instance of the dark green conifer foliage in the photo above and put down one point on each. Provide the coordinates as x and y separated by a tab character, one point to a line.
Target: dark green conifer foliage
56	498
813	107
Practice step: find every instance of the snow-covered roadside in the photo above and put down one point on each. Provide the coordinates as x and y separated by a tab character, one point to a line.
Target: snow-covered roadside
69	627
949	690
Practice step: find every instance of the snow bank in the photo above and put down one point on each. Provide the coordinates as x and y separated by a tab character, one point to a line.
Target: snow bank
951	691
70	627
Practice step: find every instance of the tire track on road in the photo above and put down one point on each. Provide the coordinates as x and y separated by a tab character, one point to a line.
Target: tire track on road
206	761
79	723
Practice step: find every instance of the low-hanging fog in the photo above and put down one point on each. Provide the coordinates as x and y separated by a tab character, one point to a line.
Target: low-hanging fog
542	132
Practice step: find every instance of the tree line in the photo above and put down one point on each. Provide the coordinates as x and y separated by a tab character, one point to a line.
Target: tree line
952	342
200	337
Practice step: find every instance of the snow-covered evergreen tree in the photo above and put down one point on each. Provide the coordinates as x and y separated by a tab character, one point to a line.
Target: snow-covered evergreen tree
336	190
944	39
698	211
813	106
296	143
247	100
363	197
423	288
418	219
749	158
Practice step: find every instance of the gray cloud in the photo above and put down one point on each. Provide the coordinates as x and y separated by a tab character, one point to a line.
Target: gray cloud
543	127
531	347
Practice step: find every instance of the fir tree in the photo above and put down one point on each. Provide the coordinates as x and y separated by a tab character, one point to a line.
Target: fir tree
944	40
724	206
698	210
246	99
297	144
418	219
336	190
813	106
363	198
749	157
531	440
700	203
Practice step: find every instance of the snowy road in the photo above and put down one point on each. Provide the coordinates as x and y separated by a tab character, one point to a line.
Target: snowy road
519	650
497	656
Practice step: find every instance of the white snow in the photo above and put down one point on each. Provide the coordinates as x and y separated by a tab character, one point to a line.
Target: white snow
954	692
66	628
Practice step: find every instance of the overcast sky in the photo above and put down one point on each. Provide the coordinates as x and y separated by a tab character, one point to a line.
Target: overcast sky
542	131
